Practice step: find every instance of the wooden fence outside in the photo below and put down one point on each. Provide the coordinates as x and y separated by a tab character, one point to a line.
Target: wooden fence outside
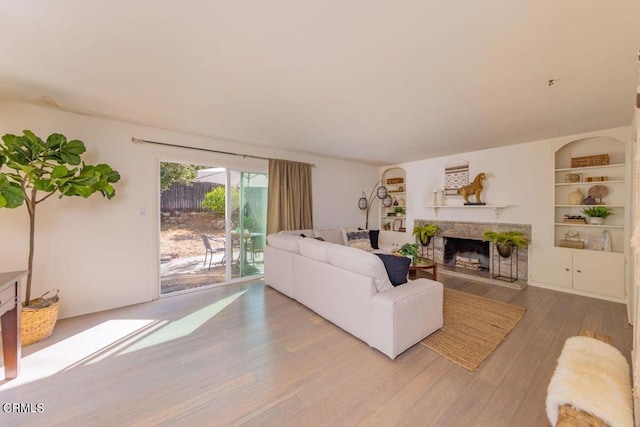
185	198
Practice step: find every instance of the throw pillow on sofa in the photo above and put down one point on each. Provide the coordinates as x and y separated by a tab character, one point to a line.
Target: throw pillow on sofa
374	236
358	239
397	268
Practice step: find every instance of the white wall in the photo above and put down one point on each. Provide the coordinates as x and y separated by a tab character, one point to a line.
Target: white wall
101	253
521	176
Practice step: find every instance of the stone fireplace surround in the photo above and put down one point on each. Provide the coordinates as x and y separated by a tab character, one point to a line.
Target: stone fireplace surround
474	231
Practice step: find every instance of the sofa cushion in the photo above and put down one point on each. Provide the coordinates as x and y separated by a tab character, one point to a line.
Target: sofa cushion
315	249
306	232
311	237
287	242
333	235
397	268
358	239
361	262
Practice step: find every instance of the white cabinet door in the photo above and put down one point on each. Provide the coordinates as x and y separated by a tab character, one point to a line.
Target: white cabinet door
551	265
599	272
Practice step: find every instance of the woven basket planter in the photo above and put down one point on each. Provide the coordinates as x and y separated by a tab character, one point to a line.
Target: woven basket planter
37	324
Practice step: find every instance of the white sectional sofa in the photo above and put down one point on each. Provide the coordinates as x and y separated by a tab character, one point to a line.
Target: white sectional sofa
350	288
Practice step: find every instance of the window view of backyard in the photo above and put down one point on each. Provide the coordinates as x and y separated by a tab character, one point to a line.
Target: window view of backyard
194	220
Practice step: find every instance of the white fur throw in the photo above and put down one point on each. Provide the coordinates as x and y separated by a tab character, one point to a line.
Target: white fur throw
592	376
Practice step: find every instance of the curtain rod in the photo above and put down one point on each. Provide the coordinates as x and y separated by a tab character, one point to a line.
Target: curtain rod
141	141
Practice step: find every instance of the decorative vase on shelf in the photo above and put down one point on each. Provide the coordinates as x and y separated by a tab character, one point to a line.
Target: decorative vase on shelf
596	220
435	197
576	197
606	241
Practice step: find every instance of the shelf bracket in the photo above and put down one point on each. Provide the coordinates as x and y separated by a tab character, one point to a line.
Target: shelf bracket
435	210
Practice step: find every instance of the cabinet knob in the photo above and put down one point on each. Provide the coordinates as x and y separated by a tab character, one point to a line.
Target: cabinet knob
579	271
566	269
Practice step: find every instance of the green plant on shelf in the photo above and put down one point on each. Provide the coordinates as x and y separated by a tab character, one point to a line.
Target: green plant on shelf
598	212
400	210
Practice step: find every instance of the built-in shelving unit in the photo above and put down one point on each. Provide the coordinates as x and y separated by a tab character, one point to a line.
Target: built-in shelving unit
598	268
616	199
394	218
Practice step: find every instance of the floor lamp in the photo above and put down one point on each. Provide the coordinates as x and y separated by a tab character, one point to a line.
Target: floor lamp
381	193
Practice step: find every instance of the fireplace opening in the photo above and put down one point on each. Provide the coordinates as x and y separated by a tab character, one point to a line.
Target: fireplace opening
466	253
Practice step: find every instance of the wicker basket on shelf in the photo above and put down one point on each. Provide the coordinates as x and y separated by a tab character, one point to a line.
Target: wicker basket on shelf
586	161
38	319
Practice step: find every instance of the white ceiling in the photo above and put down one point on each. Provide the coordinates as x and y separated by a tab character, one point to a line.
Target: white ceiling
379	81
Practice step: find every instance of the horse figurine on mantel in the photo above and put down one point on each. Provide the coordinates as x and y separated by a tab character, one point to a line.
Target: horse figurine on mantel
474	188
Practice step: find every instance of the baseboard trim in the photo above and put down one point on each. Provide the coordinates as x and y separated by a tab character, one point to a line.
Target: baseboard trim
518	284
577	292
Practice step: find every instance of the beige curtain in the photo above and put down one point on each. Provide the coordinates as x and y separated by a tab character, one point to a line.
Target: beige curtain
289	205
635	241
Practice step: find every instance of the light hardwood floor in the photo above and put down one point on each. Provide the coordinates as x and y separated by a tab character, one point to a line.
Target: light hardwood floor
246	354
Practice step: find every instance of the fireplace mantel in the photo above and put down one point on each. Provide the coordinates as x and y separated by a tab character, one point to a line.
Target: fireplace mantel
496	208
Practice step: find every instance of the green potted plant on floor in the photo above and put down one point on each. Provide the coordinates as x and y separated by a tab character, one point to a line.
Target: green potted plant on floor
506	240
410	250
31	171
597	214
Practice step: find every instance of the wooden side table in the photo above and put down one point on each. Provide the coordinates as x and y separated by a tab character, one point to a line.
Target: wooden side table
10	321
423	264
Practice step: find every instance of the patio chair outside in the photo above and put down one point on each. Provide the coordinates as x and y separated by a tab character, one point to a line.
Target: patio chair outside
209	250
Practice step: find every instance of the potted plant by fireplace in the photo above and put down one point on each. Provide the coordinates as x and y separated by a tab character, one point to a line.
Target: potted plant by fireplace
31	171
506	240
424	233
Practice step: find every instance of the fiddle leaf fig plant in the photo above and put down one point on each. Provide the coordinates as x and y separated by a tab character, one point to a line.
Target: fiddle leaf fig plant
33	169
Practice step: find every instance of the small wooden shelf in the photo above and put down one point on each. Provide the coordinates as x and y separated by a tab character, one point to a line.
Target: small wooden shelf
585	249
496	208
586	168
614	181
564	224
589	206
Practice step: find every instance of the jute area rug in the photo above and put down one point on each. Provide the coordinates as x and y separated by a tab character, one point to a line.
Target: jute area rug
473	328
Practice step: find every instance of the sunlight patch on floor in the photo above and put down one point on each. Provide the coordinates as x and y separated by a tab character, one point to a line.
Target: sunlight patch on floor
184	326
64	354
113	337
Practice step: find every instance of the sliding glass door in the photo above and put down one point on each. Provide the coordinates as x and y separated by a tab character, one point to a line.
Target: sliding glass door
248	222
213	225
